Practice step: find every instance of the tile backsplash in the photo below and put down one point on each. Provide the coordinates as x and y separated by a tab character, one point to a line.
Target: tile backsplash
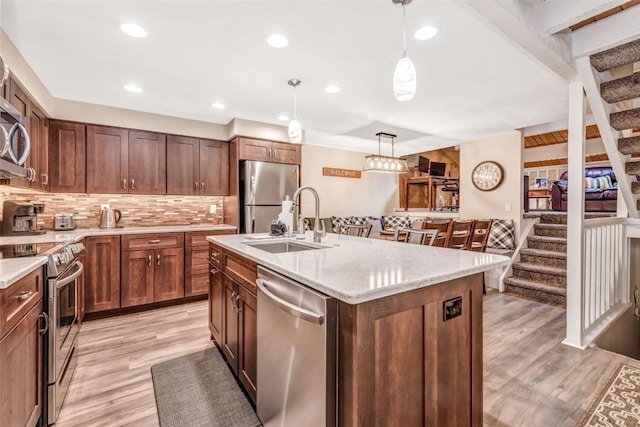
136	209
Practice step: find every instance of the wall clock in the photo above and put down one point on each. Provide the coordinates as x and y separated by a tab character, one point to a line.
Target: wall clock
487	176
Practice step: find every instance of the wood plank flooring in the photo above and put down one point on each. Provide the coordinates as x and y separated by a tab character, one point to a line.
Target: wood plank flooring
530	378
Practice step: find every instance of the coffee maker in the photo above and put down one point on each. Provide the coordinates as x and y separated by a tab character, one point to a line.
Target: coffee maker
20	218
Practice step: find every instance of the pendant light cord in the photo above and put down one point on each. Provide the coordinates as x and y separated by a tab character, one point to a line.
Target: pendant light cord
295	107
404	30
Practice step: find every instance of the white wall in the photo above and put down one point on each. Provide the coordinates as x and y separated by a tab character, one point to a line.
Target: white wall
374	194
505	150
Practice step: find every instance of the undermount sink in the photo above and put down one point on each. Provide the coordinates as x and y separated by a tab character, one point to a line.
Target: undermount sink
282	247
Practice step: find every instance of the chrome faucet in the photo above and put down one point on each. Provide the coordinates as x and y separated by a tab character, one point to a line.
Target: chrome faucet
317	234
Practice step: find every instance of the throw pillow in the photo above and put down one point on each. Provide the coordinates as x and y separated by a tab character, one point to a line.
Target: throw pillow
392	222
338	222
502	234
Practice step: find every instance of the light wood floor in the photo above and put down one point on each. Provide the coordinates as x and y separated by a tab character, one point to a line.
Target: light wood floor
530	378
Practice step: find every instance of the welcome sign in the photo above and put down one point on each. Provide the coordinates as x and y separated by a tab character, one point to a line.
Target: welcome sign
342	173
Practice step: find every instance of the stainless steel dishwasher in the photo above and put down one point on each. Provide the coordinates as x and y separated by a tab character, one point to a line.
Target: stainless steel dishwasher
296	353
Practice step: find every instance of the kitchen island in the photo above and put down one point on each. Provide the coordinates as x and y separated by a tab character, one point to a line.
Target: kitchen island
409	323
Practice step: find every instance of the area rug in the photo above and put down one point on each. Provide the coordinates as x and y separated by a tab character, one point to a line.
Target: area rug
618	404
199	390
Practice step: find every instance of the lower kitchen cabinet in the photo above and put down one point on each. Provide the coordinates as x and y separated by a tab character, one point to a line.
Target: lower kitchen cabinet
233	314
21	352
152	275
102	273
196	265
81	286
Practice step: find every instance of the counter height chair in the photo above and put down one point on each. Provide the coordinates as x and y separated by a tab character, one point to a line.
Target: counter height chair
442	228
459	235
415	236
356	230
480	235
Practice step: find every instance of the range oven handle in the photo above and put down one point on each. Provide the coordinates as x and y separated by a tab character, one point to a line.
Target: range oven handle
292	309
64	282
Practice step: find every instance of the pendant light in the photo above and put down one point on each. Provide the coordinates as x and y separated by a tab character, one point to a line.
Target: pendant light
404	77
380	163
295	130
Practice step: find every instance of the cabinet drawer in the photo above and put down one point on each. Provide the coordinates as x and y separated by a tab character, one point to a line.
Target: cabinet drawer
215	256
19	298
242	270
200	261
152	241
199	238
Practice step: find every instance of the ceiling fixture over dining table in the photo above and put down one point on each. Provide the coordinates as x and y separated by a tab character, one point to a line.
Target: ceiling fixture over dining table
380	163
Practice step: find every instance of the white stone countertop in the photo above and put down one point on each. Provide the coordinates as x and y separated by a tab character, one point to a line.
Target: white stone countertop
356	270
13	269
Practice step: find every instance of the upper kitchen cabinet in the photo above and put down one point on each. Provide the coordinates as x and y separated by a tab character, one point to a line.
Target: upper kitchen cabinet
268	151
67	157
37	161
197	166
125	161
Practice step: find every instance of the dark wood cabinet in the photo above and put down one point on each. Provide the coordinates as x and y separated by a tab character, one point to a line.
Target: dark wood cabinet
196	261
102	273
233	313
67	157
152	268
21	351
197	166
268	151
81	284
107	160
216	304
147	163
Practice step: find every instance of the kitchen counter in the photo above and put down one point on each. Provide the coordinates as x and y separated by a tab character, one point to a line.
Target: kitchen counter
356	270
13	269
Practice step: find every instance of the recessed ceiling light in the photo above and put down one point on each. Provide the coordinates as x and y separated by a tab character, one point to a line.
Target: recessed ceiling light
425	33
277	40
133	88
283	117
134	30
332	89
218	105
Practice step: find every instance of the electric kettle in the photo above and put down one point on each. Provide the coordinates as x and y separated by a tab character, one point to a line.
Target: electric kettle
109	218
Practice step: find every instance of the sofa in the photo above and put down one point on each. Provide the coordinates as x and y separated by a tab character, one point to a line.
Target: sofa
600	192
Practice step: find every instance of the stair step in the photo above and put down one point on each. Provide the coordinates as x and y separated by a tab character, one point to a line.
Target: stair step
550	230
626	119
542	257
556	244
630	145
553	219
621	89
632	168
617	57
537	291
550	276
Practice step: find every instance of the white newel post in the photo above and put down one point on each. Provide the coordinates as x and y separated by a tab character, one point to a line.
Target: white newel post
575	216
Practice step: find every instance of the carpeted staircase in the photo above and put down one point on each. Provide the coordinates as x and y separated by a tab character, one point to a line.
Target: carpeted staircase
542	271
622	95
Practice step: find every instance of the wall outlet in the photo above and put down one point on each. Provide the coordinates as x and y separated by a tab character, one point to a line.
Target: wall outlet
103	207
507	207
212	209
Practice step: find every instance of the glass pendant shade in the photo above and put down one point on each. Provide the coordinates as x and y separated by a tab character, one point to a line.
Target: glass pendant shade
404	79
295	131
380	163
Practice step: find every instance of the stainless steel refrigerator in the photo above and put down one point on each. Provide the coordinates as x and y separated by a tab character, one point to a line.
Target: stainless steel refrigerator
263	187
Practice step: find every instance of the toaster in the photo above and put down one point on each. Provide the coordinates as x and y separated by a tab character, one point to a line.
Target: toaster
63	222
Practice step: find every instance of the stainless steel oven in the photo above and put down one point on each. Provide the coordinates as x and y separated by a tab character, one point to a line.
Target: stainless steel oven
64	329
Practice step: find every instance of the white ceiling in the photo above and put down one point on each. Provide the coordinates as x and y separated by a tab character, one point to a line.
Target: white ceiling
472	82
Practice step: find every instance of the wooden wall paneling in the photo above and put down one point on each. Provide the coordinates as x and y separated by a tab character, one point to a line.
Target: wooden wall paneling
147	162
67	157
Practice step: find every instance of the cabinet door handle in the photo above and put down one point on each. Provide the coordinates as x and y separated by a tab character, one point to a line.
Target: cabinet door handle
154	241
158	259
124	183
44	330
233	301
275	153
202	186
149	260
21	296
238	306
269	153
45	179
195	186
133	184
